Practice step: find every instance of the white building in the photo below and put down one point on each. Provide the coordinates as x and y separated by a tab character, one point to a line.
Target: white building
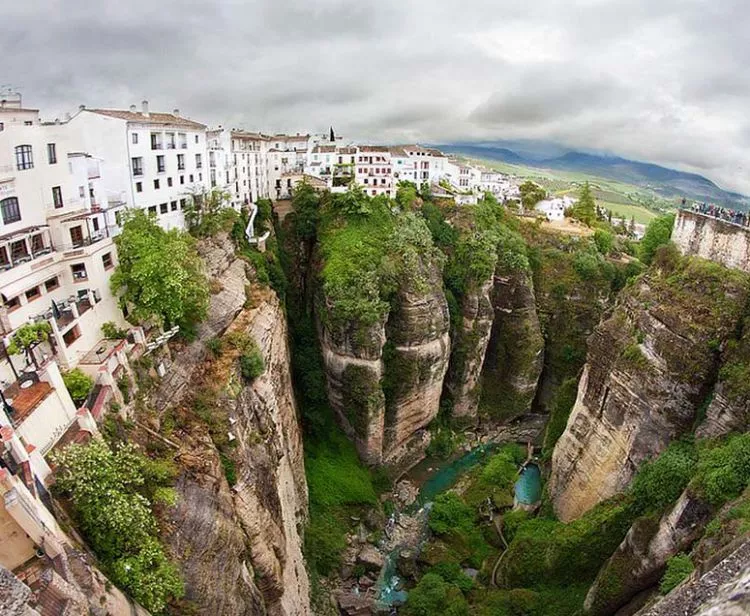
373	170
554	209
429	163
287	154
153	161
238	164
56	227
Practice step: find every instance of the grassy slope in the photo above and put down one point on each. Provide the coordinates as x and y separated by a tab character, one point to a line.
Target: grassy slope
623	199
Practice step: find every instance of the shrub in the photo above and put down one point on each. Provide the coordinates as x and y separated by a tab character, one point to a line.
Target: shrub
252	365
111	332
660	482
658	233
723	469
230	468
450	513
78	384
679	567
604	241
433	595
214	346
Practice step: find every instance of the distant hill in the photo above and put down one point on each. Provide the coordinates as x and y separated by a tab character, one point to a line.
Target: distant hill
662	180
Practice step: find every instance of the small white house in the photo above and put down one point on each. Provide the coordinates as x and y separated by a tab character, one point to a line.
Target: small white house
554	209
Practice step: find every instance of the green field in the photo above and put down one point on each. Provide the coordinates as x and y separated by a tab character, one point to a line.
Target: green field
623	199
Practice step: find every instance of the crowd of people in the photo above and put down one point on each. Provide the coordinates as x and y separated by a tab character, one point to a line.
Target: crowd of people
736	217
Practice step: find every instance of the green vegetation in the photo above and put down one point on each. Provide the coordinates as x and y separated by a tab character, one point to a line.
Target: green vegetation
434	595
78	384
661	481
159	274
585	208
113	493
27	337
658	233
208	212
679	567
111	332
531	194
560	408
723	470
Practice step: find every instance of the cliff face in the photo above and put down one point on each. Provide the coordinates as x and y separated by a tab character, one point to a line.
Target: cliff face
470	342
717	240
640	559
650	367
385	379
515	353
239	547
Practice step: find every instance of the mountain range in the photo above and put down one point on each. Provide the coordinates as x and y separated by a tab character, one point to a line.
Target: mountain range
668	183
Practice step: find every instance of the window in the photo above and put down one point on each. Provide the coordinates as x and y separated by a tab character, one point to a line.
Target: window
152	210
169	182
118	218
181	162
200	177
51	284
198	161
2	127
95	224
182	179
191	178
156	184
32	294
76	236
24	159
139	187
213	178
13	304
212	159
156	142
81	192
163	208
170	141
10	210
196	139
79	272
173	206
28	123
137	164
182	138
57	197
134	137
182	203
51	153
161	165
107	261
37	243
70	336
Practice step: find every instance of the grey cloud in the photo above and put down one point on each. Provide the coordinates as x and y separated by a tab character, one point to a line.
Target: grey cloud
659	80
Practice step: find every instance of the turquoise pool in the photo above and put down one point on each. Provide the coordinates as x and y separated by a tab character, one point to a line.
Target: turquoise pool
528	488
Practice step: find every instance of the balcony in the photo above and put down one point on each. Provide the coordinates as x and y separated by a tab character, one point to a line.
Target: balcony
24	246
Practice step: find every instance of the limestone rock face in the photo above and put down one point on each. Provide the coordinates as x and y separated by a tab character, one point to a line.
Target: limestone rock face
720	241
723	590
640	559
469	348
384	379
650	367
515	354
240	549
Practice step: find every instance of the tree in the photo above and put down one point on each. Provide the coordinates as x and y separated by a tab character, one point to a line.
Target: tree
79	385
306	205
208	212
531	194
658	233
27	337
160	274
604	241
631	226
585	208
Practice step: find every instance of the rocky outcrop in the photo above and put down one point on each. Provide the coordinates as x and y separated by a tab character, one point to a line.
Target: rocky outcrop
724	590
470	340
515	354
640	559
239	546
385	379
650	367
709	238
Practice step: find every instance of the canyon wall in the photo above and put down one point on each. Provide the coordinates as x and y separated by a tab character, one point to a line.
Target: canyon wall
650	367
239	546
720	241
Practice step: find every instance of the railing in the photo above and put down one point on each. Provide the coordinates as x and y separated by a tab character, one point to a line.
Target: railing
732	217
95	237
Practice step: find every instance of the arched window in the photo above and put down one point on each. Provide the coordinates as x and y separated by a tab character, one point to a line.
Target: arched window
10	210
24	159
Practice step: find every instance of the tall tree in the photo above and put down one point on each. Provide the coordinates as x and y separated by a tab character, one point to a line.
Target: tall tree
531	194
658	233
585	208
159	274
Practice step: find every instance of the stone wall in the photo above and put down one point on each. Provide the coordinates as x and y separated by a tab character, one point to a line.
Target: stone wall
717	240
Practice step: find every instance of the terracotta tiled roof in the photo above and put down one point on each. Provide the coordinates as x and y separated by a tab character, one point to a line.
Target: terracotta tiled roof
324	149
243	134
166	119
374	148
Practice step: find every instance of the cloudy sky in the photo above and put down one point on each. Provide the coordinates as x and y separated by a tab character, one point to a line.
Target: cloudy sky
659	80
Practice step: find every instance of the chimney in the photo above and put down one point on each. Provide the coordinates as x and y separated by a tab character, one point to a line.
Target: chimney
144	108
132	108
176	112
81	107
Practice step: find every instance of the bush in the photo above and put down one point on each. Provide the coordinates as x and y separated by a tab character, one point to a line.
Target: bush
723	469
252	365
78	384
658	233
660	482
111	332
450	513
433	595
214	346
679	567
604	241
112	493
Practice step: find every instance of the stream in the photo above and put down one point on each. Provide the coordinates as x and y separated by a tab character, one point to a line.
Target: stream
434	477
